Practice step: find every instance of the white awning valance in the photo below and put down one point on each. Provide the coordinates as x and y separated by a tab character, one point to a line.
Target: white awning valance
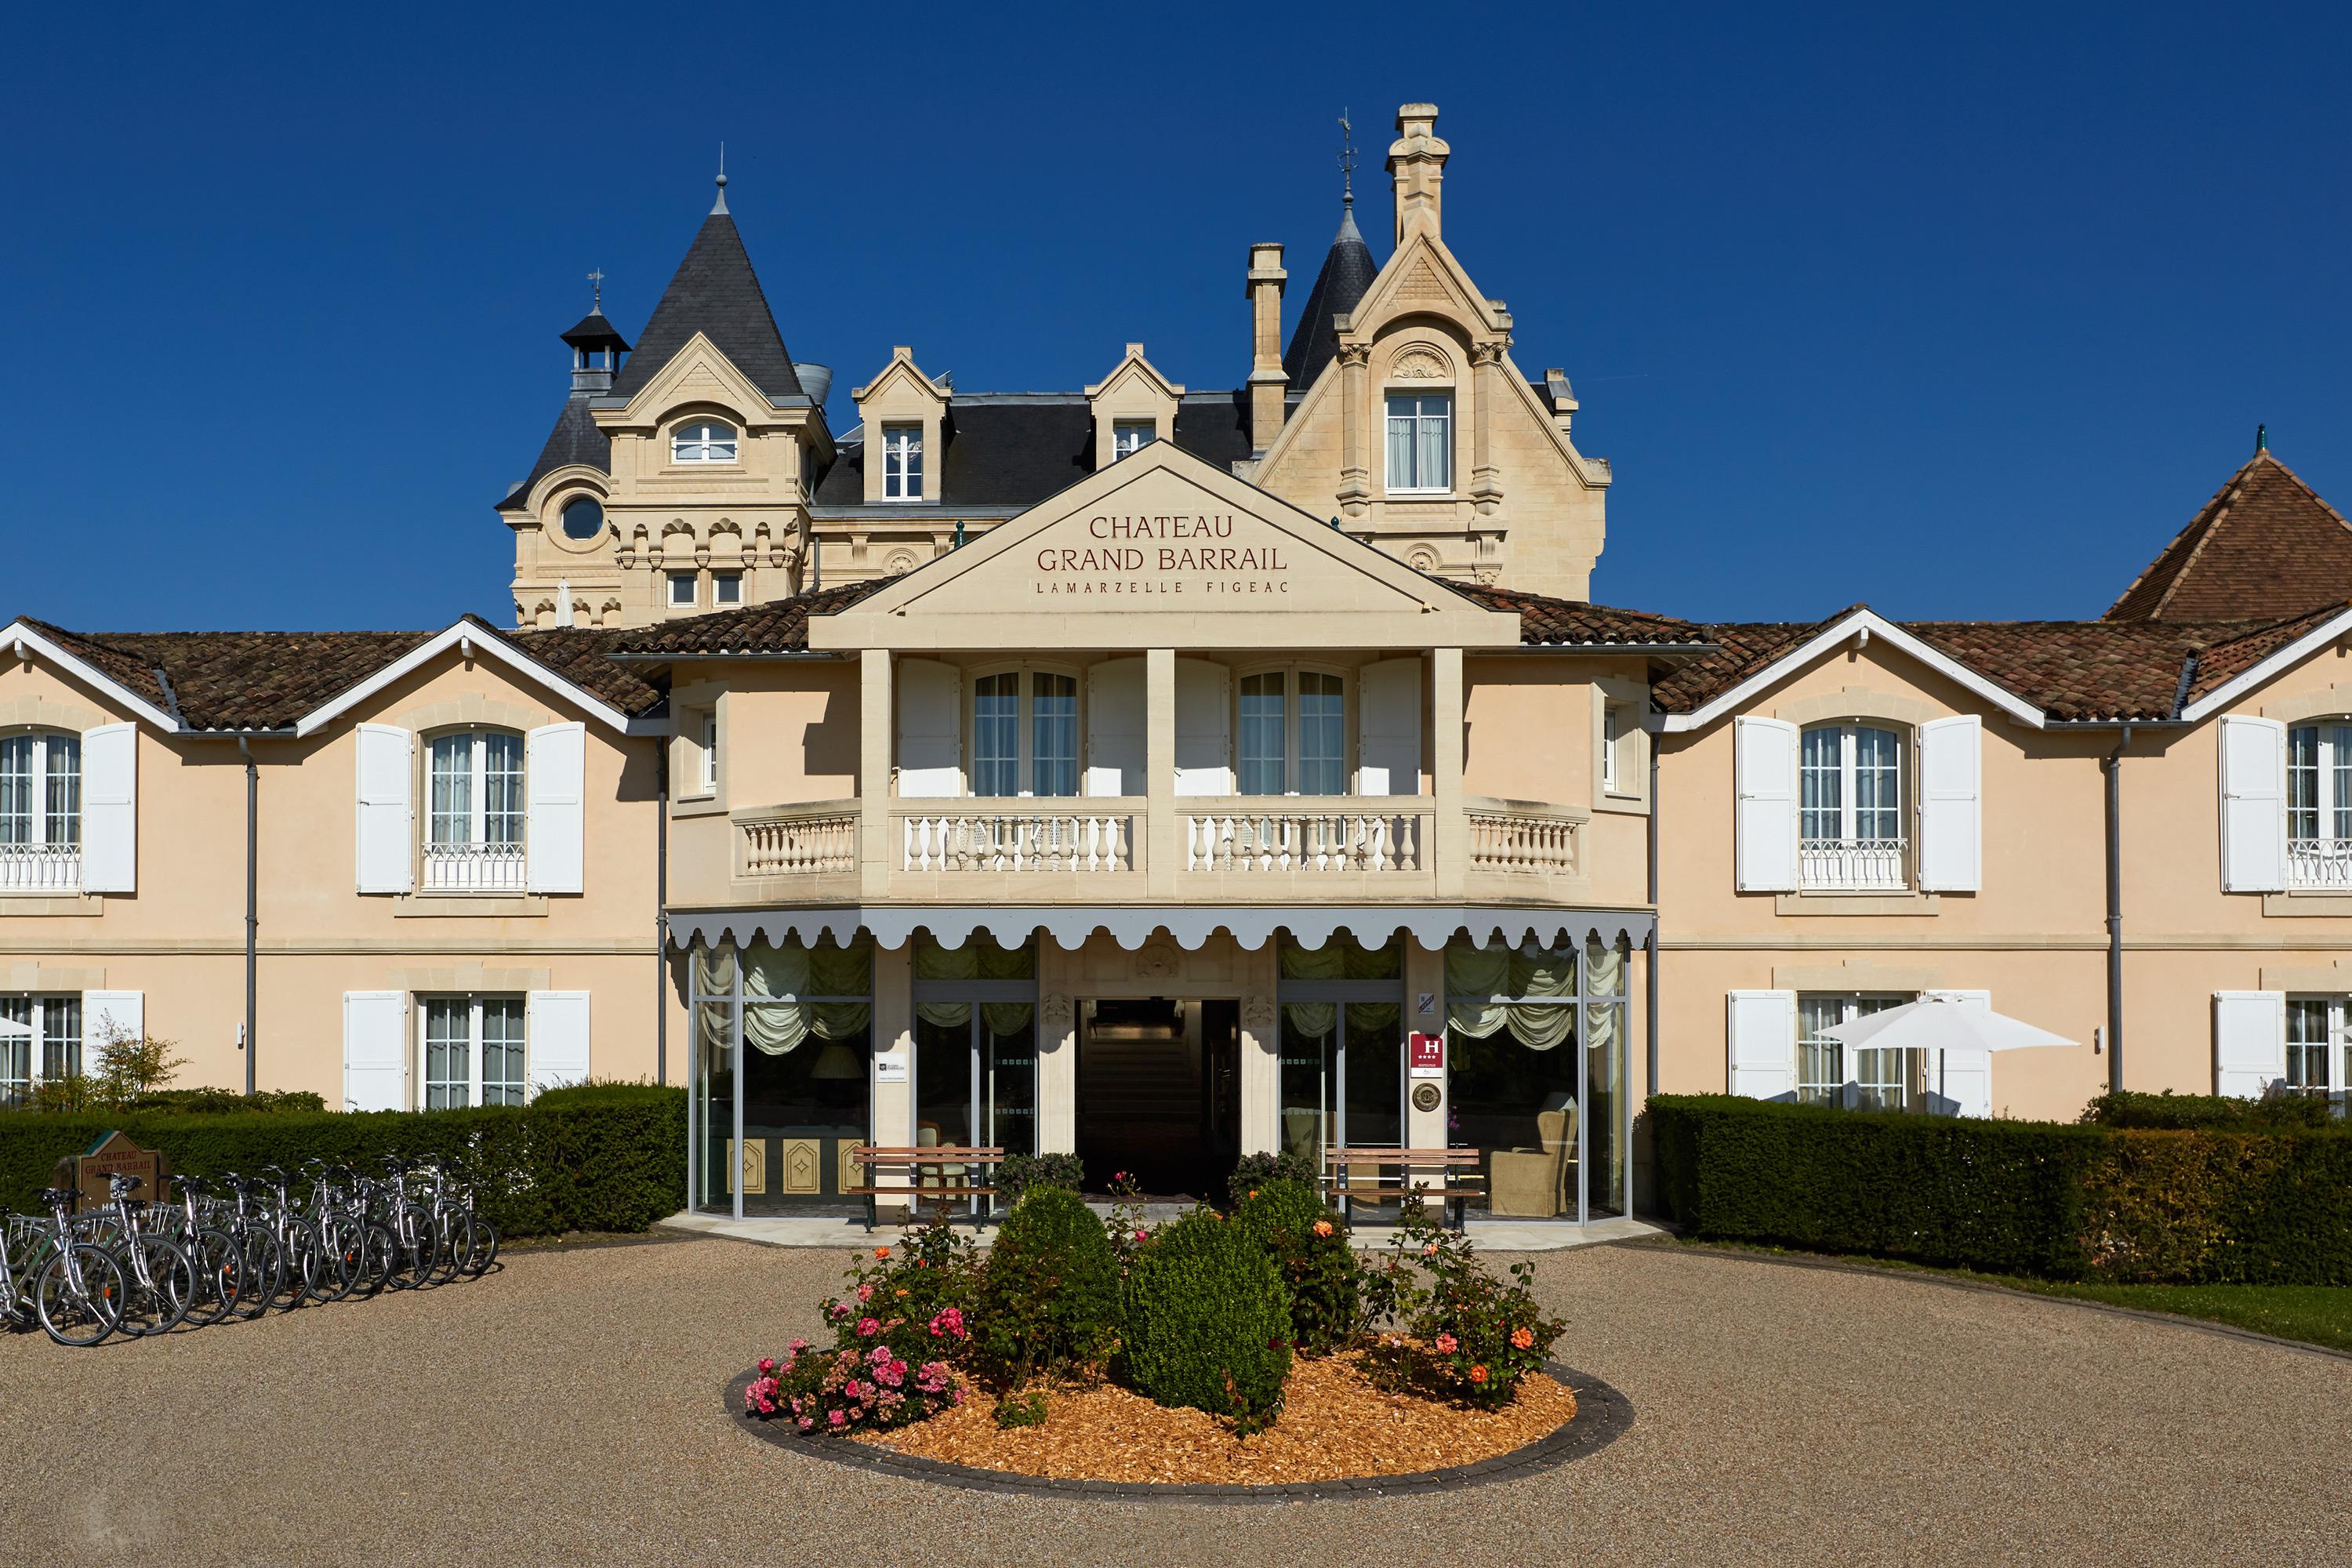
1250	925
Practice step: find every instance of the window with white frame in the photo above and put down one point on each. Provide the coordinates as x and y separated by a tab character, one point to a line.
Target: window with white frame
2319	804
1850	805
1294	733
1129	436
1612	723
707	749
704	441
727	588
1420	441
51	1050
2318	1045
473	1051
1830	1074
41	810
902	462
1024	733
474	811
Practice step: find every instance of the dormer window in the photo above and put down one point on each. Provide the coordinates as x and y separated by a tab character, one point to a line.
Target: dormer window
583	517
902	462
1420	441
1130	436
704	441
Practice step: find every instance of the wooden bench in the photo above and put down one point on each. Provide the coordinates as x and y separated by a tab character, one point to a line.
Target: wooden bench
1449	1175
952	1169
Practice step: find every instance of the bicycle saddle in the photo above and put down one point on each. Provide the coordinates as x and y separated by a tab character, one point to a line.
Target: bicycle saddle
195	1185
58	1197
119	1185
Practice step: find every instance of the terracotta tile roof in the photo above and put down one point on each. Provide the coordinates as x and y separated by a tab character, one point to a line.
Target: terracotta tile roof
1546	622
2227	656
781	625
1741	649
2264	546
270	681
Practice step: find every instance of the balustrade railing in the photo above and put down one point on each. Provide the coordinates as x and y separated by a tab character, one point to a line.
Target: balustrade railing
1017	837
1524	842
474	867
40	867
1292	836
2319	863
1853	865
800	844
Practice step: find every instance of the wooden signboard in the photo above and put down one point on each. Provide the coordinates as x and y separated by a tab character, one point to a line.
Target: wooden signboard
113	1154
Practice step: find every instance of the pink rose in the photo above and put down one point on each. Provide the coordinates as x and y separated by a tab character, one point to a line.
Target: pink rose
837	1417
866	1292
797	1346
869	1327
767	1365
1446	1343
807	1423
1138	1236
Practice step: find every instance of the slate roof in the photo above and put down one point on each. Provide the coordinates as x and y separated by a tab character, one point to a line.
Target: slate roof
2264	546
574	439
270	681
1014	451
1347	275
779	625
715	292
596	331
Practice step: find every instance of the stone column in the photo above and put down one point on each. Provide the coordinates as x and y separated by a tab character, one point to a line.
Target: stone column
894	1038
1261	1084
1355	466
1161	850
873	736
1057	1049
1453	830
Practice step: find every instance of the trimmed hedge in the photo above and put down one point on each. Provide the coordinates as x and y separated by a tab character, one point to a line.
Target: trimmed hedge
600	1157
2210	1112
1208	1322
2036	1198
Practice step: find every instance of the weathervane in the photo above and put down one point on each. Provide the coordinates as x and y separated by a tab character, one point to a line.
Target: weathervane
597	280
1347	160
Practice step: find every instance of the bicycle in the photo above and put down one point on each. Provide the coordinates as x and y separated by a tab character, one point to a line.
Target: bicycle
212	1250
422	1246
261	1260
472	1242
72	1288
159	1277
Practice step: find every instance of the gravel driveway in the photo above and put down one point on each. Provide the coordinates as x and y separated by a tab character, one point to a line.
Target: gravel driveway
564	1410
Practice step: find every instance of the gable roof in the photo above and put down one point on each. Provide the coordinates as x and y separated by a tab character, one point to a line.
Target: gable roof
714	292
230	681
1347	271
2264	546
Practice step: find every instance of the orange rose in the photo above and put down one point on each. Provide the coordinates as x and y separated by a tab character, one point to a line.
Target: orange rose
1322	1227
1478	1374
1523	1337
881	1252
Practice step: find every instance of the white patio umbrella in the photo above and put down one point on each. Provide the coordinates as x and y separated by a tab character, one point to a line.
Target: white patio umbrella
10	1029
1939	1024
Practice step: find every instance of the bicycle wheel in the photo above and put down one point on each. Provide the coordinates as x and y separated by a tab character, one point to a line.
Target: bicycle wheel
218	1264
261	1273
306	1267
482	1250
450	1232
158	1303
79	1314
422	1259
381	1259
345	1247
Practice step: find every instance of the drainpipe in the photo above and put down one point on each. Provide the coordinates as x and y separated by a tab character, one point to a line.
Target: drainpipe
252	912
1650	969
661	915
2112	765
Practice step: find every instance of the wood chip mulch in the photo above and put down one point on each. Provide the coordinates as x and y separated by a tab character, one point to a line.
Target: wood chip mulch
1334	1424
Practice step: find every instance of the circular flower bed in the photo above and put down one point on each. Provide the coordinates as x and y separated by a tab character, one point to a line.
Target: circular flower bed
1245	1350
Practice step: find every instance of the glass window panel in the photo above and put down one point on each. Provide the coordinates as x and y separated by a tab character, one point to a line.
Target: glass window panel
63	807
681	587
996	734
1053	735
502	1050
60	1036
450	795
2303	782
15	1051
448	1052
1310	1070
1821	799
1878	783
16	753
1322	735
1820	1076
2308	1044
502	797
1263	741
1402	446
2339	753
727	588
1434	468
583	517
714	1084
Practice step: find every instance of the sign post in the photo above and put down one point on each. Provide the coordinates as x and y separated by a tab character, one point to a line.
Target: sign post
114	1155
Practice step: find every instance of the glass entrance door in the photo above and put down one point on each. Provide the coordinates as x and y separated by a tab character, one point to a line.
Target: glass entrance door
975	1047
1342	1061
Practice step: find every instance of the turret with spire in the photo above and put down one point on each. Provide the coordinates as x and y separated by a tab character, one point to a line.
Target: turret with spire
1348	273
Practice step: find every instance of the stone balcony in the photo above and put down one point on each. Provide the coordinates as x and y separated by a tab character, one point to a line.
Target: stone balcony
1208	850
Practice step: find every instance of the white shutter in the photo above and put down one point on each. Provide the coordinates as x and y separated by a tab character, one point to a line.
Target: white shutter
109	809
1961	1084
109	1016
1388	701
386	770
1115	721
375	1050
930	729
1764	761
555	783
555	1038
1951	805
1761	1027
2253	805
2249	1042
1204	728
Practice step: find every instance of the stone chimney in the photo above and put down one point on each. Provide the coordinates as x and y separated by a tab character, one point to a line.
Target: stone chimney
1268	381
1417	166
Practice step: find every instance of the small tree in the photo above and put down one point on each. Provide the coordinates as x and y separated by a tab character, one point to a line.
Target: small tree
132	1066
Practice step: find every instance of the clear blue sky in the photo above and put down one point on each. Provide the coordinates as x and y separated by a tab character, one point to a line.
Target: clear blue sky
1961	313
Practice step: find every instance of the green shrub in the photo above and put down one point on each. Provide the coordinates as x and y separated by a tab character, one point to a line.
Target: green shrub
1308	1244
1021	1409
1018	1172
545	1168
1208	1322
2213	1112
1257	1170
2126	1204
606	1091
1048	1299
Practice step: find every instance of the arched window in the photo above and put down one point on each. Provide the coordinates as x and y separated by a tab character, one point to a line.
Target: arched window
2319	804
1850	804
583	517
704	441
474	820
41	810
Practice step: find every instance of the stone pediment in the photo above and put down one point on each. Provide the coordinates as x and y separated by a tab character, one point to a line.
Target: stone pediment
1162	549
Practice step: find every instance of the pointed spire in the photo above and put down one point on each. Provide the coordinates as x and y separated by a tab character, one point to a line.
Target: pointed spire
714	292
2261	438
1348	273
720	206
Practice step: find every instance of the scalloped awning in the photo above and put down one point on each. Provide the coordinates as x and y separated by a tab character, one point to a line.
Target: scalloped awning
1251	925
